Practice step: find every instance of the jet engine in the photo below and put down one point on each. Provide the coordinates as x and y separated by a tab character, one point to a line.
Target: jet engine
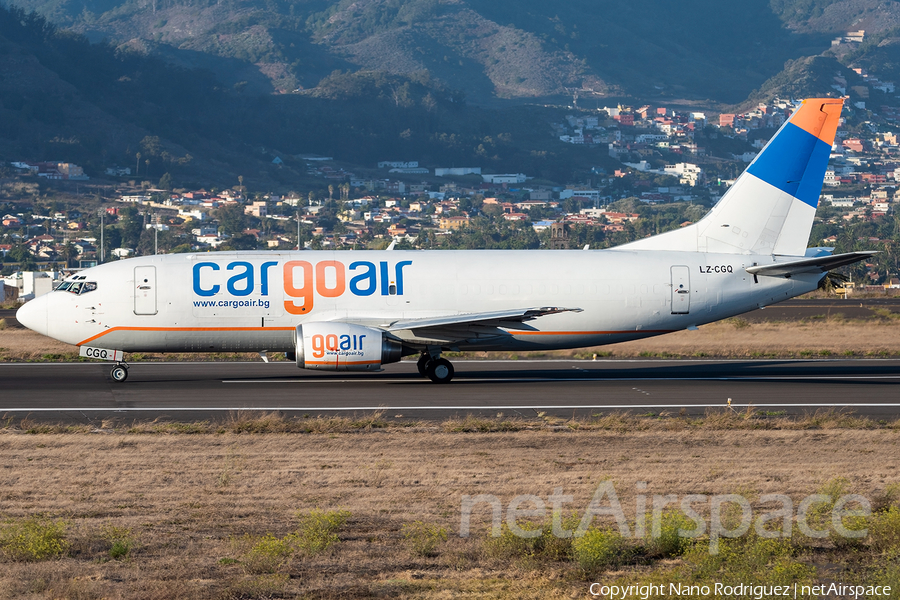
344	347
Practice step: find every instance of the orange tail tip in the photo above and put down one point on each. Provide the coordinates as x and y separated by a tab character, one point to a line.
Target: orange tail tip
819	117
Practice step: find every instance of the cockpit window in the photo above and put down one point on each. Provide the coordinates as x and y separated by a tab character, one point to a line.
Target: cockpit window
77	287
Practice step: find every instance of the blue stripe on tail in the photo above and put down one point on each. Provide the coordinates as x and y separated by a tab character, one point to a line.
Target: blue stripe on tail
794	161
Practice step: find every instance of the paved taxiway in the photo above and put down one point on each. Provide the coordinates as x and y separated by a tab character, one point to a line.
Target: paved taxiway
190	391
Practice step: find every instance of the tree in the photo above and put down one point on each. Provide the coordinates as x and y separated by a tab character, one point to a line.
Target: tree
165	182
112	238
150	145
19	254
131	224
240	242
232	219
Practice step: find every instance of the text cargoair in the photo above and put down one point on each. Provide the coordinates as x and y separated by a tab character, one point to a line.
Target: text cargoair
302	281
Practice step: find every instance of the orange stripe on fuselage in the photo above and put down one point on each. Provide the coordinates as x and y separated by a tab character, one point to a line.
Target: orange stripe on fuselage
819	117
515	333
512	333
342	362
110	330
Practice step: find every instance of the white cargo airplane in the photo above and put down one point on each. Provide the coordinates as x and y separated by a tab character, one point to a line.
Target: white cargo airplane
360	310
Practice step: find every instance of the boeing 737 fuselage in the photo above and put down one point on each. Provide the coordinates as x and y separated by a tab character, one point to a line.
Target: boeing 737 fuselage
361	310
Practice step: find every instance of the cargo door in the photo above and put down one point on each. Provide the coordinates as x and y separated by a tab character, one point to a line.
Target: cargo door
681	290
145	290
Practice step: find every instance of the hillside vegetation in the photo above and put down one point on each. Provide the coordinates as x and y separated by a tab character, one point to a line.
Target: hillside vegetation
699	49
226	88
94	104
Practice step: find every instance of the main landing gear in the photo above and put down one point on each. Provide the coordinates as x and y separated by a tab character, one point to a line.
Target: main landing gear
119	373
435	368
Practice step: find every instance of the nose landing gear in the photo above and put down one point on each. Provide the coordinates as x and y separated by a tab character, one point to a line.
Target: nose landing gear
119	373
437	369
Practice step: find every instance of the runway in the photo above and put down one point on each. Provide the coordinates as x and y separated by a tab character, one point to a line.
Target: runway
82	392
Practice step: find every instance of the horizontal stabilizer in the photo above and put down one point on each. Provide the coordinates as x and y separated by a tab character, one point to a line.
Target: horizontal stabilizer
496	318
819	264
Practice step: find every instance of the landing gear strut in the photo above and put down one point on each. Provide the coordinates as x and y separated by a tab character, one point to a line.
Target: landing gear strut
119	373
437	369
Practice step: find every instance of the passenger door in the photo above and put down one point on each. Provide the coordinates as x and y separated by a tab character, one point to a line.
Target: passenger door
145	290
681	290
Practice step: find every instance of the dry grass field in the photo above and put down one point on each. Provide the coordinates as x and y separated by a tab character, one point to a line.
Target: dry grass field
157	511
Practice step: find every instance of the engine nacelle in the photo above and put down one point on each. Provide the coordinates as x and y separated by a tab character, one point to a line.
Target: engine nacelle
344	347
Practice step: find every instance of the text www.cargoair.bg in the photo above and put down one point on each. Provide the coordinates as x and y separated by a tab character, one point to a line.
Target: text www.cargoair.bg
231	303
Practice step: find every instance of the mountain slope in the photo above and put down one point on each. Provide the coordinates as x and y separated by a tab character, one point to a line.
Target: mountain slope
62	98
522	49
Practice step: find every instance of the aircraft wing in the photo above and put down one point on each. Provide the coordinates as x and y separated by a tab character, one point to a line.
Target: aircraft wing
819	264
452	329
498	318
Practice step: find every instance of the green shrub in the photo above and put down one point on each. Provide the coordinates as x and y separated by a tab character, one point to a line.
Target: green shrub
749	559
884	531
121	542
318	530
422	538
599	549
887	498
669	542
887	576
545	545
510	545
268	554
33	539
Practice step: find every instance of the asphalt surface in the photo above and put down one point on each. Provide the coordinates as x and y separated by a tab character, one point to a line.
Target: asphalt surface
83	392
195	391
796	310
10	317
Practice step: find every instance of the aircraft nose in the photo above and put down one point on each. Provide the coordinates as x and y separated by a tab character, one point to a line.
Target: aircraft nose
35	315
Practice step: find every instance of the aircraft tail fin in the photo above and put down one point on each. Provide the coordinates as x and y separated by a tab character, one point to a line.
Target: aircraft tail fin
770	208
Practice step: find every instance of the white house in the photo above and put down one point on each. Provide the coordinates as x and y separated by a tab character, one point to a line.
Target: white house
498	178
442	171
193	214
398	164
